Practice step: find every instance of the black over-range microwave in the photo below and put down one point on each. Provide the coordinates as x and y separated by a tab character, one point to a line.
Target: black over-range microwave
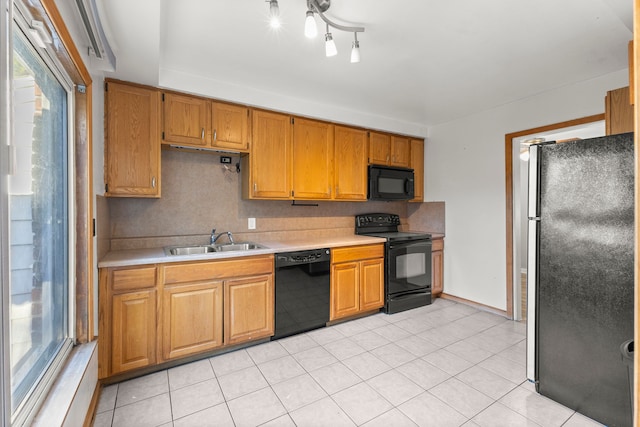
388	183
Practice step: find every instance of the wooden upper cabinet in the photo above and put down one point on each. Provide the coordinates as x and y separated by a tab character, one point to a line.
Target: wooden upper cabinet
400	152
389	150
312	159
618	112
200	122
270	158
230	126
186	120
350	164
379	148
417	164
132	140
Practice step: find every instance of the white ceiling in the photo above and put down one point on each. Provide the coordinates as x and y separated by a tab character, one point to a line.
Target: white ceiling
423	61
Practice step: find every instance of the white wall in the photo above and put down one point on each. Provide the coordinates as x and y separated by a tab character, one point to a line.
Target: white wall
465	168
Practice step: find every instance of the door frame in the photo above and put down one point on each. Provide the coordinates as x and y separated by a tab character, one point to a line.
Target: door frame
508	159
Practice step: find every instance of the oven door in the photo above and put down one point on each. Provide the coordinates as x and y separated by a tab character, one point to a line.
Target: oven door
408	267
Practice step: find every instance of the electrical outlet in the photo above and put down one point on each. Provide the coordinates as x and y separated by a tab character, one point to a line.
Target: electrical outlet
251	224
225	159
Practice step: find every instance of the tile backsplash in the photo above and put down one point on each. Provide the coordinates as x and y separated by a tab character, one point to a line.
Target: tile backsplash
199	193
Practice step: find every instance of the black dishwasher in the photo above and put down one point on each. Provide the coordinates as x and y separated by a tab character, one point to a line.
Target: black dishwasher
302	291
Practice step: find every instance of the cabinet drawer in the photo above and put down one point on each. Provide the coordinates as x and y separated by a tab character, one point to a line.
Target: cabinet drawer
437	245
134	278
197	271
355	253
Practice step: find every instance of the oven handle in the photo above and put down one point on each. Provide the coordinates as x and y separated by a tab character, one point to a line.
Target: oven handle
396	245
409	295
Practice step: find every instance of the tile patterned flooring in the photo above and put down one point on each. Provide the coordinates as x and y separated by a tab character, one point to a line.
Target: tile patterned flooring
446	364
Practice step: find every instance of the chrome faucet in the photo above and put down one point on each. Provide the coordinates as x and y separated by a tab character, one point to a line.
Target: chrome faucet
214	238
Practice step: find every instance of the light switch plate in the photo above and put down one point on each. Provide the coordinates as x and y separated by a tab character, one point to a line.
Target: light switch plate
251	224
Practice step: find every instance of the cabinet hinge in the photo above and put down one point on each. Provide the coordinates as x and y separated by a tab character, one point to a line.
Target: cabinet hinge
106	188
291	193
163	97
94	227
106	86
292	120
163	135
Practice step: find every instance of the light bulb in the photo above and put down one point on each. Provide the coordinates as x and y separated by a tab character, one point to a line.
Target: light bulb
330	45
355	51
274	13
310	28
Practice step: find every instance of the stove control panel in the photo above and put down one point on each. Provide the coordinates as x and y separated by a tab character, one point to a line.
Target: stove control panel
377	220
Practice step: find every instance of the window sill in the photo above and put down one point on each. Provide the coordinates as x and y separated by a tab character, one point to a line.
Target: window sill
69	399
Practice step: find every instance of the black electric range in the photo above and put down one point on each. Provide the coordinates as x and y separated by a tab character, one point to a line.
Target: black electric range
407	261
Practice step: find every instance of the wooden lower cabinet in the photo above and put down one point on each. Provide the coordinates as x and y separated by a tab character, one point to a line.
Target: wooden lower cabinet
248	308
192	319
152	314
437	267
371	284
345	289
133	330
357	280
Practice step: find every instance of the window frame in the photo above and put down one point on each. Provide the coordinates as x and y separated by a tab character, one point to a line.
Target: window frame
27	408
64	54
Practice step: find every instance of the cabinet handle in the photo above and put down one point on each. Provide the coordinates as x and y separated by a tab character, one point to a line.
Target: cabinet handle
202	134
255	187
153	182
215	135
387	158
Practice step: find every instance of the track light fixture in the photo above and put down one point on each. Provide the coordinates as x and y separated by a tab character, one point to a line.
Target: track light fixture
311	30
274	14
329	45
355	49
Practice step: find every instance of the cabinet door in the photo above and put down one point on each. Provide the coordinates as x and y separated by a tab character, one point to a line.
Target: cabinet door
437	267
248	309
132	141
312	159
618	111
400	151
133	336
192	319
417	164
186	120
270	157
344	290
371	284
379	148
350	164
230	126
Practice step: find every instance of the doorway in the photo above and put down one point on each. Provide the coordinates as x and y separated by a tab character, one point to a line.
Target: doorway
516	144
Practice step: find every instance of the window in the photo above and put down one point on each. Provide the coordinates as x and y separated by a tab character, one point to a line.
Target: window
40	200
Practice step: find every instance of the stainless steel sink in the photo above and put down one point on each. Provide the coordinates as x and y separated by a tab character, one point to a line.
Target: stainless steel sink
204	249
238	247
189	250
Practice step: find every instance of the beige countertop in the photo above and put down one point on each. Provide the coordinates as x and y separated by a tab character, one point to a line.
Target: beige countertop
132	257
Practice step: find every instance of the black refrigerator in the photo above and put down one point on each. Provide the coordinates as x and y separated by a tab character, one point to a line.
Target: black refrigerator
580	274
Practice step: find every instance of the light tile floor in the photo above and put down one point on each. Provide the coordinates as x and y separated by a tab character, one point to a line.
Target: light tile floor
446	364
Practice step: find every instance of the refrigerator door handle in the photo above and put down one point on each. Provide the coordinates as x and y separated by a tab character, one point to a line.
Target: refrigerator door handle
532	277
533	211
